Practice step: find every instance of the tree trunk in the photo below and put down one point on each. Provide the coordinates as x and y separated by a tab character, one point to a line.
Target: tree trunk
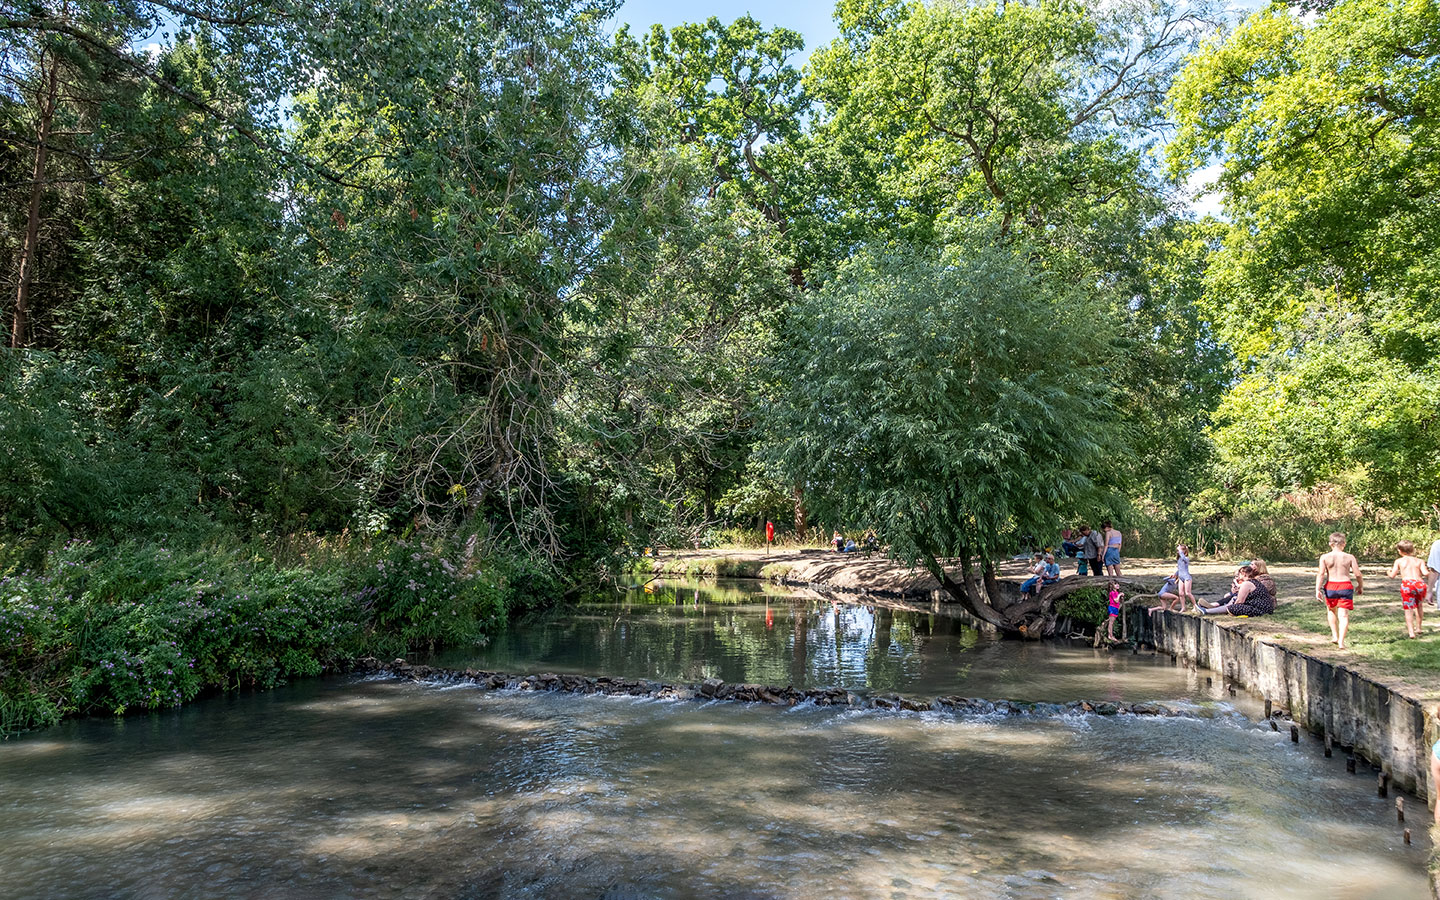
801	523
30	250
965	594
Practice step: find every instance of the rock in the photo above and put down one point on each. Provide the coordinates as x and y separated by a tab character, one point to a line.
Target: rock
711	686
1106	708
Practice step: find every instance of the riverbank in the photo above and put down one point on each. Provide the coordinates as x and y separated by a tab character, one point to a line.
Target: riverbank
137	626
1379	651
1288	656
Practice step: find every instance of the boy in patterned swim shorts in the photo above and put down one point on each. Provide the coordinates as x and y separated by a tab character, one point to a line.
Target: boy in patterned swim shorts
1412	574
1336	585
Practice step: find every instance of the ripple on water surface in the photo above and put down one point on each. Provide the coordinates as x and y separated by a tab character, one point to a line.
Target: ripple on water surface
334	789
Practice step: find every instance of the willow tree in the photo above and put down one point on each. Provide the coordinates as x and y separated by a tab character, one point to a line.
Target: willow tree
952	401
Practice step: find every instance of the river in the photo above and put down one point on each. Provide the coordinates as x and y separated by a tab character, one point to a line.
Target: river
377	788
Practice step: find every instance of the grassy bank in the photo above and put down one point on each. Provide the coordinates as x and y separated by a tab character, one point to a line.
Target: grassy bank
142	626
1377	632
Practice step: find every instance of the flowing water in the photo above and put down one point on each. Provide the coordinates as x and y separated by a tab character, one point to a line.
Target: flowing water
344	788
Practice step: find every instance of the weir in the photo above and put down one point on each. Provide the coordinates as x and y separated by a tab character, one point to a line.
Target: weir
1389	729
714	689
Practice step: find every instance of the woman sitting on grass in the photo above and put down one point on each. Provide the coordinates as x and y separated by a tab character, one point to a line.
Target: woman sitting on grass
1254	595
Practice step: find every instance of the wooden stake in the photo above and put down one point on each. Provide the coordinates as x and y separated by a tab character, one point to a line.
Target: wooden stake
1294	734
1269	708
1382	785
1350	765
1407	837
1327	745
1208	682
1400	809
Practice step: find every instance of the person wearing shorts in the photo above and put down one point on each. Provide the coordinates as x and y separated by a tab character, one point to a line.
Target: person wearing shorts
1412	574
1113	539
1115	597
1337	581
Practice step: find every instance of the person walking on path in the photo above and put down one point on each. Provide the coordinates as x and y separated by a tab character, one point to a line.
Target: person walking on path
1094	550
1433	564
1337	582
1413	576
1113	539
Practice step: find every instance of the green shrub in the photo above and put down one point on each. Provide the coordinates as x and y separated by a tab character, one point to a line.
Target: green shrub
1087	604
143	627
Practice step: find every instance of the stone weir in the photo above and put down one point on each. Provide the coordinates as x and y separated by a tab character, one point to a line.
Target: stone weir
714	689
1388	729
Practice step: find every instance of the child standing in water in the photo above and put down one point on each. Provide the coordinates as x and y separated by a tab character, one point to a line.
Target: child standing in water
1336	584
1412	574
1115	598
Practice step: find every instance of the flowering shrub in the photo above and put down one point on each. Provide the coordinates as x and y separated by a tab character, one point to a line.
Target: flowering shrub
429	600
145	627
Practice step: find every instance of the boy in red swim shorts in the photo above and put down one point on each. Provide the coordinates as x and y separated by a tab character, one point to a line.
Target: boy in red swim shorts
1412	573
1336	584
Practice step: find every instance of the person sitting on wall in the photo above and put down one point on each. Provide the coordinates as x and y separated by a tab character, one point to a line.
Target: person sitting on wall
1251	597
1169	593
1047	572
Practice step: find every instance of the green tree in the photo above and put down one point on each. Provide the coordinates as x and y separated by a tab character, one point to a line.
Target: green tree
1324	282
955	401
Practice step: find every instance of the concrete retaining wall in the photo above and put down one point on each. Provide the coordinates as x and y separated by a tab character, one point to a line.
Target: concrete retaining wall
1388	729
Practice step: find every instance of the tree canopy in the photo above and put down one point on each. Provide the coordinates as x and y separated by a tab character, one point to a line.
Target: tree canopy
358	267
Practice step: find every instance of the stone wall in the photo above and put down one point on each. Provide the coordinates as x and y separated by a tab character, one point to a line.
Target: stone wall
1390	730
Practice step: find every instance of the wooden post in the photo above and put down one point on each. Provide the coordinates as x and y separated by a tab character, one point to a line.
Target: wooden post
1208	682
1269	708
1294	734
1407	837
1382	785
1350	764
1400	809
1327	745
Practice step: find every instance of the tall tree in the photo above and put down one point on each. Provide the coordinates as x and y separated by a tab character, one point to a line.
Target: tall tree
953	401
1324	132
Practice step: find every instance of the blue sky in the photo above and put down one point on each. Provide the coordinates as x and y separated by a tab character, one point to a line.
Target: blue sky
812	18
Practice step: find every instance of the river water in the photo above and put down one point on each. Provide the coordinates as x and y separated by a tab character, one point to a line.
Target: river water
376	788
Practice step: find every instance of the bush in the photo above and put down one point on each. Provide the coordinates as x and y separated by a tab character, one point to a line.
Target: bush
144	627
1087	604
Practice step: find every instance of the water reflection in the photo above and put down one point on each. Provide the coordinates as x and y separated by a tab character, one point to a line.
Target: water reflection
749	632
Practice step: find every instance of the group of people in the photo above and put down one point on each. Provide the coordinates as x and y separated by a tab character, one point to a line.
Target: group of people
1338	580
841	544
1099	551
1252	591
